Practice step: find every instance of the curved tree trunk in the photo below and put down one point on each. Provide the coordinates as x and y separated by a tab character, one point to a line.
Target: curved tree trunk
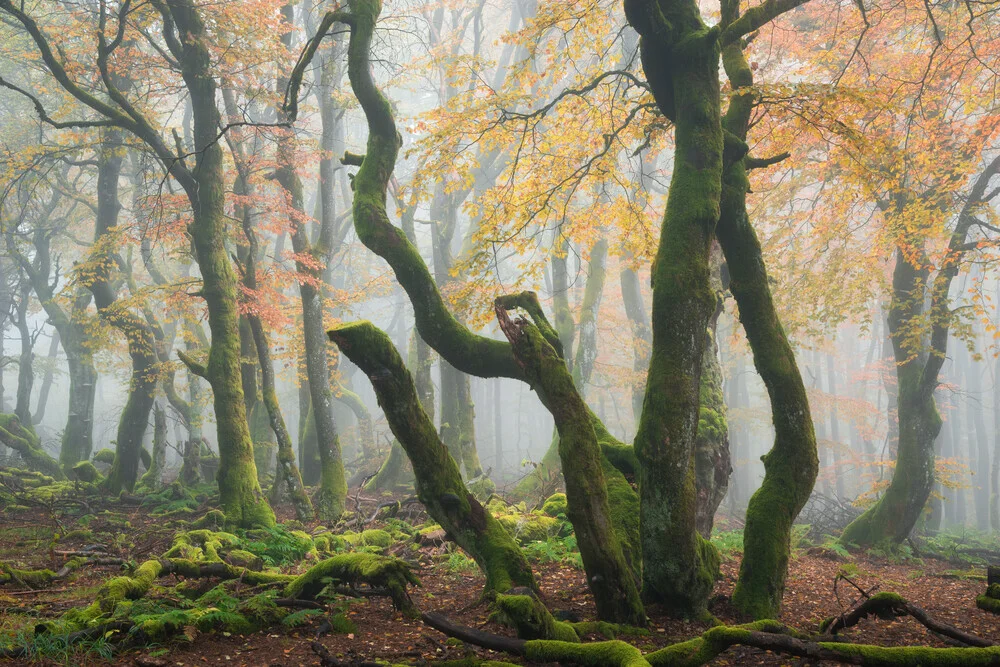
893	516
791	466
23	440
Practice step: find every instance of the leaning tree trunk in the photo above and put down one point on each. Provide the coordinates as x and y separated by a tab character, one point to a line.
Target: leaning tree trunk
23	440
438	480
610	576
791	466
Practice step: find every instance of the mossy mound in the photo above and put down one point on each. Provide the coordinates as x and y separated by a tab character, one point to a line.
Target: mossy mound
555	505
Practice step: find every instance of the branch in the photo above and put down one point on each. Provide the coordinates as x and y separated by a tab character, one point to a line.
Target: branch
44	116
761	163
291	102
757	17
198	369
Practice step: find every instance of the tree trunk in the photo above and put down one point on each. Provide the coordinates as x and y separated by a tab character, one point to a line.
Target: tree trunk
712	460
979	450
137	333
332	498
682	66
43	393
439	482
610	577
635	309
791	466
23	440
239	491
152	479
25	364
893	516
836	454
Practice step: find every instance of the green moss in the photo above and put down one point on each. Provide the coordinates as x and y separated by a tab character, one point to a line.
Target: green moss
555	504
599	654
377	571
86	472
29	578
988	603
531	619
106	456
530	527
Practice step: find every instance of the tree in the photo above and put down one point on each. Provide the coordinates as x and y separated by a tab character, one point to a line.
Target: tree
187	42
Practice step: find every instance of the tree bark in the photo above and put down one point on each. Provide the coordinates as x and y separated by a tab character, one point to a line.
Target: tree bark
609	575
680	57
438	480
332	498
239	491
137	333
791	466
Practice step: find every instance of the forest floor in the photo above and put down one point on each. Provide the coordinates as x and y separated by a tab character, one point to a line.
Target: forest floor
452	585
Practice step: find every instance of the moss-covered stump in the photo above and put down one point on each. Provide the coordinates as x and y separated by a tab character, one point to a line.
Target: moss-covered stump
23	439
86	472
990	601
555	505
376	571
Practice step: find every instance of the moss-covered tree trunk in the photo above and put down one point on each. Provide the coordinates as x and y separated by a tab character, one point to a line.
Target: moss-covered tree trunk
137	333
239	491
332	498
609	575
792	463
438	480
680	56
712	460
893	516
919	303
23	440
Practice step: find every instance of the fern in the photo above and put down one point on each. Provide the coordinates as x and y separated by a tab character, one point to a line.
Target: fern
300	617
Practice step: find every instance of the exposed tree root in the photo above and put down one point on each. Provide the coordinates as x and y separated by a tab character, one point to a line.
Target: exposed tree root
765	635
891	606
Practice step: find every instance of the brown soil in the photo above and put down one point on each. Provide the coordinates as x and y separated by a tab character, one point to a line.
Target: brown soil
384	634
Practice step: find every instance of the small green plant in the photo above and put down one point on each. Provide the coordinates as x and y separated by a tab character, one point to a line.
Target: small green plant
555	550
833	545
55	648
728	542
459	563
276	546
